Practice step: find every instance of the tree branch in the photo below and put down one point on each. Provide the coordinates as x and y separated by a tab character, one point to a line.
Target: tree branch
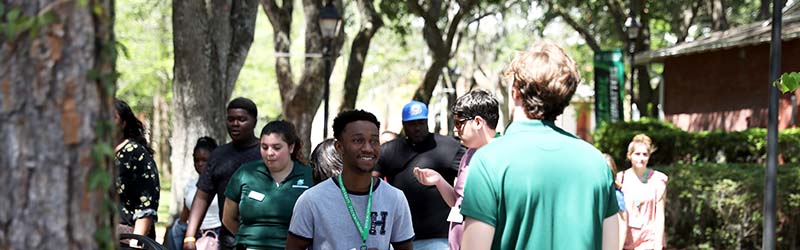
463	10
358	53
281	20
583	31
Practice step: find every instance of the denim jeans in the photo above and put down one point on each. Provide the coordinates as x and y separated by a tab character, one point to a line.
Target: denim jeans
432	244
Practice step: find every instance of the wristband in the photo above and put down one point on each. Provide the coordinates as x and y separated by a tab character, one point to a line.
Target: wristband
189	239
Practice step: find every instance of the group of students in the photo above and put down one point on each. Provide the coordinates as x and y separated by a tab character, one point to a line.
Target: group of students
535	187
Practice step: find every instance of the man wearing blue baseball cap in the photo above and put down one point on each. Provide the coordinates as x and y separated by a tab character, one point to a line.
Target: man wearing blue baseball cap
421	148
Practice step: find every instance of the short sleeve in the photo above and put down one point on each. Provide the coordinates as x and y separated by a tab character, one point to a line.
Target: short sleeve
612	206
456	163
662	181
302	223
403	229
234	189
480	195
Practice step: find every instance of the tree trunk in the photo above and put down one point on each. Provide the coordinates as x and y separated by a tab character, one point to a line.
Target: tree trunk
57	80
439	40
211	41
716	9
764	10
302	99
358	53
647	102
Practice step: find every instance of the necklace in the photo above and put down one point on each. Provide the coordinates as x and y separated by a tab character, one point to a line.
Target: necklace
364	231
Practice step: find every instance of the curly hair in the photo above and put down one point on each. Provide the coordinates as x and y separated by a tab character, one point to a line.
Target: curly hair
546	78
644	140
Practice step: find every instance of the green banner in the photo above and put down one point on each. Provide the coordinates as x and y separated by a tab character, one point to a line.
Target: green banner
609	86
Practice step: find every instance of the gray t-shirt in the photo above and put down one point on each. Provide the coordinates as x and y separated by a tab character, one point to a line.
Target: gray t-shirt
321	215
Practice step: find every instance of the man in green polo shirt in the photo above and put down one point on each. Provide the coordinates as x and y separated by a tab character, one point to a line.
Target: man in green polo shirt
538	187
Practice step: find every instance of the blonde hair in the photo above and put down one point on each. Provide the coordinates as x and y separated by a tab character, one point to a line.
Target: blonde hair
644	140
546	78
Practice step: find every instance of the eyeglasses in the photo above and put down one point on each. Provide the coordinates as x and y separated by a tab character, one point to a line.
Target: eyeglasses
459	123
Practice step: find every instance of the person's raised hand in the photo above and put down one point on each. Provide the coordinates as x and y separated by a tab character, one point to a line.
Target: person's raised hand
427	177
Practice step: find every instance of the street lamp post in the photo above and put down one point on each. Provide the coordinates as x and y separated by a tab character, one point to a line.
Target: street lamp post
329	22
632	27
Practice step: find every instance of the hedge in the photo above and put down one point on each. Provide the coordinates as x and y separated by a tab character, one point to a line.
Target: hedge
719	206
678	146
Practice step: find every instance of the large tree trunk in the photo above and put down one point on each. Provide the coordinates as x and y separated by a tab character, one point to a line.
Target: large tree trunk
302	99
358	53
57	80
211	41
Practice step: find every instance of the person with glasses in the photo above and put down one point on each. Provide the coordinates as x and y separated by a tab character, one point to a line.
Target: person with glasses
475	114
425	150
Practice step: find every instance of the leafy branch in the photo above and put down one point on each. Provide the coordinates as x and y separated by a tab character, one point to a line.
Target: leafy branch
788	82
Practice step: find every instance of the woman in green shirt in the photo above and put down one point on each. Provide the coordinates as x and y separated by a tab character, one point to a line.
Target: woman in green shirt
260	196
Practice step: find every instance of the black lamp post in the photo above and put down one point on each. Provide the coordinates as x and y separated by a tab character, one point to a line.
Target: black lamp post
632	27
329	22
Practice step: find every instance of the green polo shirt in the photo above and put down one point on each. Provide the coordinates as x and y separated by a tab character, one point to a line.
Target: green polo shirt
540	188
265	209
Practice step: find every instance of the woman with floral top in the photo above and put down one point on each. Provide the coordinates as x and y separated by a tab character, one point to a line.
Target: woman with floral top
137	182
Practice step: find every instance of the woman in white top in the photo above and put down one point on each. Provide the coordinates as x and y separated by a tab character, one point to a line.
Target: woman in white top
211	222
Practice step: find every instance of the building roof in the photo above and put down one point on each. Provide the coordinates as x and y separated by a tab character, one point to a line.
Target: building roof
745	35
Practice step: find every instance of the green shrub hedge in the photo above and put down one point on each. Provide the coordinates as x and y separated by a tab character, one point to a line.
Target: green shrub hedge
719	206
678	146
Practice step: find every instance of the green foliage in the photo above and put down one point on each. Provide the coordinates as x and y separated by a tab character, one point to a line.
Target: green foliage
788	82
677	146
719	206
671	142
144	38
14	23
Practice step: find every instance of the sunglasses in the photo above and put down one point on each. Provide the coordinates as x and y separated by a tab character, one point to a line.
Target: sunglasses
459	122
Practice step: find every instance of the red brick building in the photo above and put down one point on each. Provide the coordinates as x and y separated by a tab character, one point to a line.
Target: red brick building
721	81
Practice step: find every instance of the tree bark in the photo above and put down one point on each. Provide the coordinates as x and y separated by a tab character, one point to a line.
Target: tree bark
764	10
716	9
301	99
211	41
370	24
57	80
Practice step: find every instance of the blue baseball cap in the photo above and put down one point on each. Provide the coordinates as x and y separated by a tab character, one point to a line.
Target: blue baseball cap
415	110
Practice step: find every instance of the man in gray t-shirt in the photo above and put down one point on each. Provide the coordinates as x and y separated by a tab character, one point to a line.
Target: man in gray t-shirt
330	215
321	214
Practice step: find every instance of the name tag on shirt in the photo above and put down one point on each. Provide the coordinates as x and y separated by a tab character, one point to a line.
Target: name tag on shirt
455	215
256	195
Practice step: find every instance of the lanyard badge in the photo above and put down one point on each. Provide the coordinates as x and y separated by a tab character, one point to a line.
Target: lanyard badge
364	231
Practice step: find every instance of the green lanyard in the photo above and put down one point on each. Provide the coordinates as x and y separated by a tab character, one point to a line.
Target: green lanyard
362	230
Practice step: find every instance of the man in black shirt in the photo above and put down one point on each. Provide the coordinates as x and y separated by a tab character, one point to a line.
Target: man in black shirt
224	161
423	149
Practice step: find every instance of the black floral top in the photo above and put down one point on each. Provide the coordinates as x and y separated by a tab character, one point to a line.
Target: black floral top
137	183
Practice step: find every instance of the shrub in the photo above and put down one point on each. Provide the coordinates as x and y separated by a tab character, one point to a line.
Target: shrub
720	206
678	146
671	141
